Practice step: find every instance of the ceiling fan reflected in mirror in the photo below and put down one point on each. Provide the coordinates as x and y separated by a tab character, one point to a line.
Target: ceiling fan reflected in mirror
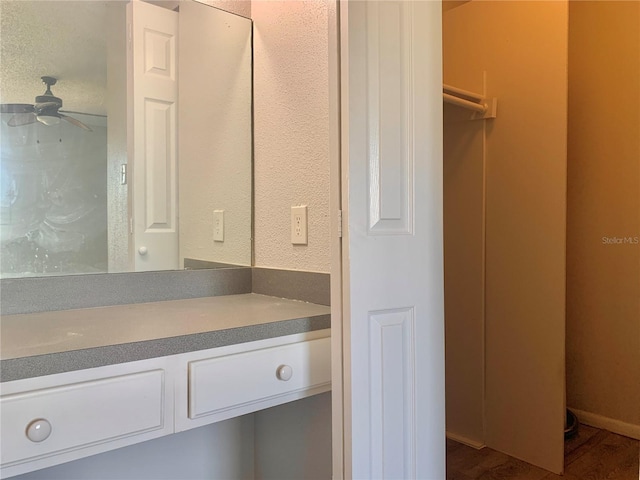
45	110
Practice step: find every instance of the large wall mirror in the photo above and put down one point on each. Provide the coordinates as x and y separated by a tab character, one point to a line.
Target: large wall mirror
126	137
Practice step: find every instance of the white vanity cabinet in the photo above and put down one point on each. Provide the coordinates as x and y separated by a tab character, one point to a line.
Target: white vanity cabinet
54	419
49	420
230	381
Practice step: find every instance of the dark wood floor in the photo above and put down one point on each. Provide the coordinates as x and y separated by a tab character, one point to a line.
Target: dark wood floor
592	454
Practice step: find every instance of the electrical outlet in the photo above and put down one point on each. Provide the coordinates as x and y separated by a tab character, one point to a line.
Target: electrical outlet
299	225
218	225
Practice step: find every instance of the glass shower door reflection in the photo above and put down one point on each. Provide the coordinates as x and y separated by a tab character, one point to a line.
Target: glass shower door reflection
53	199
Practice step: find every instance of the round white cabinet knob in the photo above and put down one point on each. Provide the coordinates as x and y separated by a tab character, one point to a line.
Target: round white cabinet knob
38	430
284	372
143	251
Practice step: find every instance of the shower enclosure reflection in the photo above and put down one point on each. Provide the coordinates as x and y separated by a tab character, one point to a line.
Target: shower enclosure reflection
76	201
53	198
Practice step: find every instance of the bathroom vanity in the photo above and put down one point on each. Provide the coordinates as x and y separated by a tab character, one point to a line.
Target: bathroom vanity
80	382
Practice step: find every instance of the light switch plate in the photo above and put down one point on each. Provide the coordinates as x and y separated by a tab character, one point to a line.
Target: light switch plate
299	225
218	225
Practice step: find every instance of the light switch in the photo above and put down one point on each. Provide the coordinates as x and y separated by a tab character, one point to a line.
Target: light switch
218	225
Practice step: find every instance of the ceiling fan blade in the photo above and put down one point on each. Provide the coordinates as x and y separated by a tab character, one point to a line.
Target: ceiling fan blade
17	108
20	119
75	122
83	113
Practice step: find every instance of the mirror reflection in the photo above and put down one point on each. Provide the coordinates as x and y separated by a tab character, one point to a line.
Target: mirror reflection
125	137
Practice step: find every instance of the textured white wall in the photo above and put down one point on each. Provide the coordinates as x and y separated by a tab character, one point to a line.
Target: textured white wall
291	115
291	167
239	7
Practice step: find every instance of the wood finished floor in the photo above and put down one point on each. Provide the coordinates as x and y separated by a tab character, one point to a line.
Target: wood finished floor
592	454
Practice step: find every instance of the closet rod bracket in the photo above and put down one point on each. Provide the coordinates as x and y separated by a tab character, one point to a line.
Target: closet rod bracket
491	105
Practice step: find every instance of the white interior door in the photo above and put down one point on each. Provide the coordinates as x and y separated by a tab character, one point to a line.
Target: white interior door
393	325
153	93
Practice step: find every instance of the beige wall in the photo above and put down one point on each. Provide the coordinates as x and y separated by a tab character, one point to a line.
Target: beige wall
293	441
603	280
291	143
463	171
525	230
522	46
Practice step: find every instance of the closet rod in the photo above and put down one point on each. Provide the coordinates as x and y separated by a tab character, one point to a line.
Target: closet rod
476	107
462	93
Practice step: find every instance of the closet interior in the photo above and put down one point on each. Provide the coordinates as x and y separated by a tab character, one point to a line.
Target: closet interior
541	222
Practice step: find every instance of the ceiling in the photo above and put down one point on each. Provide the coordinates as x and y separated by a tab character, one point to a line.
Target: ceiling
63	39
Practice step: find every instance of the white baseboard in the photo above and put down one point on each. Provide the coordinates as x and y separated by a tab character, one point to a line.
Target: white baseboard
610	424
465	441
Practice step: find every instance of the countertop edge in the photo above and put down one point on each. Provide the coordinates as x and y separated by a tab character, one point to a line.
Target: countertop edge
68	361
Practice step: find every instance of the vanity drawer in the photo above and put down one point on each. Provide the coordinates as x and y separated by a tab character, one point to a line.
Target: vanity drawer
80	415
259	378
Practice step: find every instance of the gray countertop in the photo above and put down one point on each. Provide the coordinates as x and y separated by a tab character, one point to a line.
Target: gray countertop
54	342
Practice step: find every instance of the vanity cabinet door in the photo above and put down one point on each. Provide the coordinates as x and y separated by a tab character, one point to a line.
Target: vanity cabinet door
230	385
57	423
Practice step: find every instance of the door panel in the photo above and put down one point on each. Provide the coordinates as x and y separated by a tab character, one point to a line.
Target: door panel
392	155
153	87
